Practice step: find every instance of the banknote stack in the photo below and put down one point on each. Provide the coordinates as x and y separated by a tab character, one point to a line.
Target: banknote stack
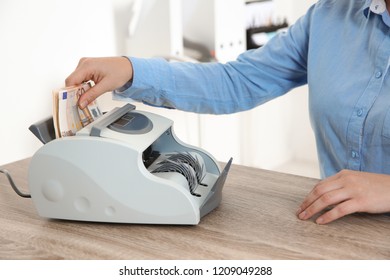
68	118
190	165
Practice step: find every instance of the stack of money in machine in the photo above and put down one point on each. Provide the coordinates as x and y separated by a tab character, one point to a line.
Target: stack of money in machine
68	118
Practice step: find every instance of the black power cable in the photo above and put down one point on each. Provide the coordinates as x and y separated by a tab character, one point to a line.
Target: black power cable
15	188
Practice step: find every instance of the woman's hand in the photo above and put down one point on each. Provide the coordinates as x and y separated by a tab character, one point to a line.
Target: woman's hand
348	192
108	73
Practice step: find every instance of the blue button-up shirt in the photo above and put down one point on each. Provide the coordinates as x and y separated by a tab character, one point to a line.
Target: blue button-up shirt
340	48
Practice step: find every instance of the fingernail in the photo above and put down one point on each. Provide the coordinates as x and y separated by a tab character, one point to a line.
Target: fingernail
83	104
320	221
302	215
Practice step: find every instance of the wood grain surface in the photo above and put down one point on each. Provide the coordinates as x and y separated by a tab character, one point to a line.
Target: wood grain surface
256	220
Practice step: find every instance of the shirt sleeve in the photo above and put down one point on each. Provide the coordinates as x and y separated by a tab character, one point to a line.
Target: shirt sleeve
256	77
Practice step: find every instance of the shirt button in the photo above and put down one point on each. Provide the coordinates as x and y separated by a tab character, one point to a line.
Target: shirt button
355	154
360	112
378	74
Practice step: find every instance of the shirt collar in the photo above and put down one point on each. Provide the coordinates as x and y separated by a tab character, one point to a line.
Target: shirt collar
377	7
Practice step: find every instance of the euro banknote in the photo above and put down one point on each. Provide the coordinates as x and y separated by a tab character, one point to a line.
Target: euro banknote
68	118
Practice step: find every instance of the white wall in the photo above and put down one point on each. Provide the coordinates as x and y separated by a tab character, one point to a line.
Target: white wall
41	43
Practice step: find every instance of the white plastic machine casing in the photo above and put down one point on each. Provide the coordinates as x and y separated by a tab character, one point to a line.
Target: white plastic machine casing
99	175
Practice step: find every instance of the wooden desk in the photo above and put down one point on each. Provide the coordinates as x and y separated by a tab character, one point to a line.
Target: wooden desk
256	220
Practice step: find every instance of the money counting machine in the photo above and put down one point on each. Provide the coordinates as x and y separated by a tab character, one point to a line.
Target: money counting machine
127	167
